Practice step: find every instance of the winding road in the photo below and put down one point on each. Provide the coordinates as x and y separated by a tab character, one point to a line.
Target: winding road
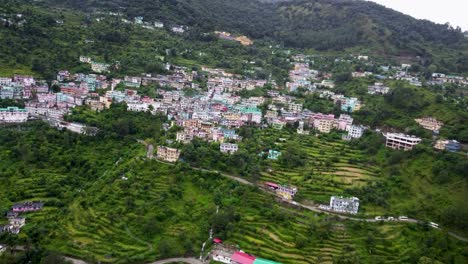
149	153
164	261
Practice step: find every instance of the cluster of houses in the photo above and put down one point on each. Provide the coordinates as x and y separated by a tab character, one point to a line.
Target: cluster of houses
98	67
140	21
41	102
441	79
16	222
301	76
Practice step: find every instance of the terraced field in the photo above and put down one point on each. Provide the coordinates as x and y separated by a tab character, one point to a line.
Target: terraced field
118	207
331	167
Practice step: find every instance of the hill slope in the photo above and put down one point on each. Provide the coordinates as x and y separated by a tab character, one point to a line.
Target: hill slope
318	24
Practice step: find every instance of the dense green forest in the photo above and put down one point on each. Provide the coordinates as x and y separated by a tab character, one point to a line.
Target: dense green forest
319	24
42	47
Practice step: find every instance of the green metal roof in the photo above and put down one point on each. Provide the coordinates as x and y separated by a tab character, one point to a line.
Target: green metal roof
264	261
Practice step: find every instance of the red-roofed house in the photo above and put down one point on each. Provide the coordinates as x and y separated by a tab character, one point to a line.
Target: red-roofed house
242	258
272	185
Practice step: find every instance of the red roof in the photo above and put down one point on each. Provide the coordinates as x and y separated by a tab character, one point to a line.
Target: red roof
274	185
217	241
243	258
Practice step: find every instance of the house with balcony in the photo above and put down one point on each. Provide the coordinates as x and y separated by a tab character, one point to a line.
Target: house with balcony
168	154
399	141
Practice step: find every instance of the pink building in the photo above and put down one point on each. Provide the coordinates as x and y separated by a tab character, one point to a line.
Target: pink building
27	207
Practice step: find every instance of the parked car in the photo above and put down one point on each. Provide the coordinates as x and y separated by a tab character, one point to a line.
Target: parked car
403	218
378	218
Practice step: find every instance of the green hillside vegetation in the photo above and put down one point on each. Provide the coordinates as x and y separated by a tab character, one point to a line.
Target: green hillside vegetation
42	47
420	183
320	24
157	210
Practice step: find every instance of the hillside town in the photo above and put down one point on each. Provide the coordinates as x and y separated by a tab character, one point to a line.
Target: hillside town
212	113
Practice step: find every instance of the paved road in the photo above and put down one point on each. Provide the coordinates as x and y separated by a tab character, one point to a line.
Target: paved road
164	261
175	260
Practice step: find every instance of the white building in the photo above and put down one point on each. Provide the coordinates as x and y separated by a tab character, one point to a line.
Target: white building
13	115
222	256
228	148
378	88
401	141
344	205
295	107
355	131
178	29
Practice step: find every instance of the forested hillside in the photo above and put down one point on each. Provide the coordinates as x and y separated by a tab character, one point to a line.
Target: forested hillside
317	24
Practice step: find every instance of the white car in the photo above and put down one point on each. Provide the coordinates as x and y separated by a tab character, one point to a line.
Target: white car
403	218
391	218
434	225
378	218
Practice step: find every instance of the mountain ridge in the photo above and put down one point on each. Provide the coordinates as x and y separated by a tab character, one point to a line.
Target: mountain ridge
322	25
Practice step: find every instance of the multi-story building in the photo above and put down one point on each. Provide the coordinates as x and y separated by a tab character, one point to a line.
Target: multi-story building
168	154
355	131
343	122
184	137
13	115
295	107
401	141
228	148
5	81
324	125
344	205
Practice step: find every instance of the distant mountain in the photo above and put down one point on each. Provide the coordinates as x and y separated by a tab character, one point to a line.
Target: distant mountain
318	24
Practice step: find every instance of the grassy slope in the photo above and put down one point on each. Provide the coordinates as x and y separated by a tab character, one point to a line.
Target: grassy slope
108	219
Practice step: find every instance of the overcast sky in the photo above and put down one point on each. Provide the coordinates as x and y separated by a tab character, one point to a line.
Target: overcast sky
440	11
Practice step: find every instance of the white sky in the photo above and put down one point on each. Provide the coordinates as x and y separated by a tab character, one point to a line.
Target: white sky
440	11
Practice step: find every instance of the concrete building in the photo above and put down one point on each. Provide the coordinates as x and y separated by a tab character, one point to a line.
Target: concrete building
295	107
228	148
344	205
401	141
13	115
378	88
168	154
355	131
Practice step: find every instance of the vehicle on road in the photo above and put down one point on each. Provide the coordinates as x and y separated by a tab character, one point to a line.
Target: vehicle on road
391	218
403	218
379	218
434	225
